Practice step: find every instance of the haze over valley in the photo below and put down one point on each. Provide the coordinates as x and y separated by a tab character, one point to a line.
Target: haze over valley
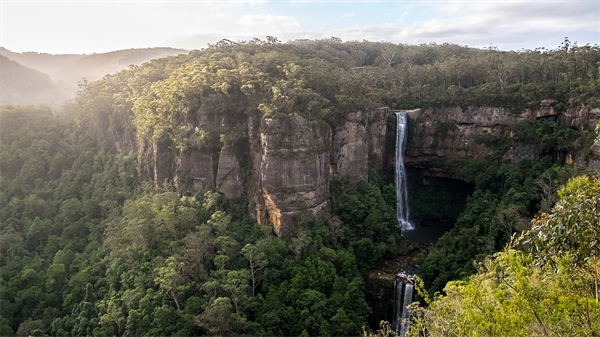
41	78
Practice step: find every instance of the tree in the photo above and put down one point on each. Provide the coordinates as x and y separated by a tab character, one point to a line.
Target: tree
198	253
113	315
218	319
170	280
257	260
237	285
545	292
510	296
574	225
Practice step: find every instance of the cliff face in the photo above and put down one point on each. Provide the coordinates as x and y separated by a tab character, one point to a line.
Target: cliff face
298	159
291	170
360	140
440	134
451	133
292	162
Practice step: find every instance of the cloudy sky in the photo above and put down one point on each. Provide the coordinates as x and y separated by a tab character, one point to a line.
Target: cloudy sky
100	26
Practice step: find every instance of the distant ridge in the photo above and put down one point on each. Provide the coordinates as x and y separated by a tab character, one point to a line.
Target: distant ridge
20	85
66	70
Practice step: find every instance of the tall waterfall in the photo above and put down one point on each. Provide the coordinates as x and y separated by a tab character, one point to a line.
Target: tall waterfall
401	190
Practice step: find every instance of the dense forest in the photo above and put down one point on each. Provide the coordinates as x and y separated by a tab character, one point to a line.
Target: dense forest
91	245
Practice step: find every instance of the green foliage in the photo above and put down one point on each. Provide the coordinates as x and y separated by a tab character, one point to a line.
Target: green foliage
572	227
370	226
511	296
549	292
505	196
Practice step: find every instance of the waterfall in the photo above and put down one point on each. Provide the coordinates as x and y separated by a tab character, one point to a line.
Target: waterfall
401	190
398	307
405	322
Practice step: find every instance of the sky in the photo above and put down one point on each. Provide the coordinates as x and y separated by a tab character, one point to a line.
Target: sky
61	27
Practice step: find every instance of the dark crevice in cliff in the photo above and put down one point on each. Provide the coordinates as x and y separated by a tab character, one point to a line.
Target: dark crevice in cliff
435	204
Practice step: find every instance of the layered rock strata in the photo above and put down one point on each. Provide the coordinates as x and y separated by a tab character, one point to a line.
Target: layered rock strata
451	133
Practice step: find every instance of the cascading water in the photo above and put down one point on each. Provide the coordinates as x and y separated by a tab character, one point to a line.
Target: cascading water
398	307
401	189
405	322
401	319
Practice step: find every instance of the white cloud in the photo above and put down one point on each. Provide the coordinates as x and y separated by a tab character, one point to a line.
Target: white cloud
508	25
266	22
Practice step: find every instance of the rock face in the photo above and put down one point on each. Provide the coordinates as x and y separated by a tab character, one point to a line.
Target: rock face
358	142
229	181
350	154
451	133
293	160
292	171
580	118
297	160
376	137
196	166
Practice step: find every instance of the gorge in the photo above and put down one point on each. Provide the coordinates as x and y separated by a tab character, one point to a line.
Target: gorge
250	188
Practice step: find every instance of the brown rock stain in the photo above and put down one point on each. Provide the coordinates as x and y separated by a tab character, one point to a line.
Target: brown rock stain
273	216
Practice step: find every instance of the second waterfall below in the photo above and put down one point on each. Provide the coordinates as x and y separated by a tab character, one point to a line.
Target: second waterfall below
401	320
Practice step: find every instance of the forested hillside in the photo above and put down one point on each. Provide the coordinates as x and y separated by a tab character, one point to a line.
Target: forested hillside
22	85
61	74
95	242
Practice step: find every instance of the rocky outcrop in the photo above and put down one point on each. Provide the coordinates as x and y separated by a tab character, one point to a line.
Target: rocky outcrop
292	170
440	134
350	153
546	108
292	160
376	137
450	133
297	159
580	118
196	167
358	142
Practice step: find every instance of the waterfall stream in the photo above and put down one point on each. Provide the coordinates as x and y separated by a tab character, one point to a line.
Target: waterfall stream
403	296
401	189
405	322
401	319
398	305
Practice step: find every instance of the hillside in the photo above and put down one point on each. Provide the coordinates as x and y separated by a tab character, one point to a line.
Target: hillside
44	62
67	70
22	85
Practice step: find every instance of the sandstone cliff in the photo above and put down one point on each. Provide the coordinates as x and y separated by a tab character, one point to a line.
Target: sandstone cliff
297	160
292	161
439	134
